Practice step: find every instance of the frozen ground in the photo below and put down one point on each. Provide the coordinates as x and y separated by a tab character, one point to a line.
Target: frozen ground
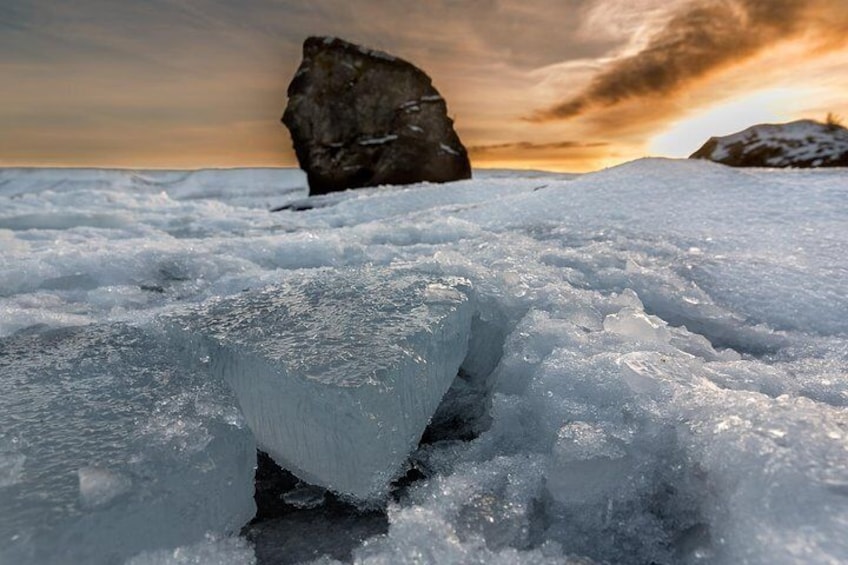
656	367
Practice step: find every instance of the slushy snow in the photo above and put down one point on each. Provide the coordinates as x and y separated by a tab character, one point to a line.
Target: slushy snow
653	363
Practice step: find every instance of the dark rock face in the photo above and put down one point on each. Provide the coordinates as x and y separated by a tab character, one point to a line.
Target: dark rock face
801	144
359	118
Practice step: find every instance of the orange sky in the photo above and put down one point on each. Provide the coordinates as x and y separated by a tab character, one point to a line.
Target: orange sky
553	84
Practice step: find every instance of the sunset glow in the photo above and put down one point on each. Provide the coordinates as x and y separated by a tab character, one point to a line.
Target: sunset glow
769	106
535	84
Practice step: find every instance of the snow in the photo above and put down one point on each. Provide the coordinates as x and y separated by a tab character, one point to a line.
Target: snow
338	372
378	140
654	363
448	149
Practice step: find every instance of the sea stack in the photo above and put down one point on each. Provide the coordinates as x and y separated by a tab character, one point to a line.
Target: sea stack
360	117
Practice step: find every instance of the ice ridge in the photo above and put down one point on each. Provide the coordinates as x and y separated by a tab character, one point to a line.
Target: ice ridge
337	372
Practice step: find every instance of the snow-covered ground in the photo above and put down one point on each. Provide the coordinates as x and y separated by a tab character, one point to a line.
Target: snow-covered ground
654	366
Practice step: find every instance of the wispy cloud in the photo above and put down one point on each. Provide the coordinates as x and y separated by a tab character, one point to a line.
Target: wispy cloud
92	79
705	37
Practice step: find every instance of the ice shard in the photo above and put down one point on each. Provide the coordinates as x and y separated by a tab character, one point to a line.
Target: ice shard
338	371
108	448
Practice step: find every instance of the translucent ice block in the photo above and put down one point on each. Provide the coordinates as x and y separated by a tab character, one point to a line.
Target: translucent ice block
338	372
107	448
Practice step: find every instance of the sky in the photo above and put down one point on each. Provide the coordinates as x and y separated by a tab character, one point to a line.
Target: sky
571	85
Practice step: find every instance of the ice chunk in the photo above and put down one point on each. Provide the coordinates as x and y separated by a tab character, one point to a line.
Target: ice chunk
111	449
338	372
587	464
637	325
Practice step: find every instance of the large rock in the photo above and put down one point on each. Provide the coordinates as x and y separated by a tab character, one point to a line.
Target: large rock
803	144
359	117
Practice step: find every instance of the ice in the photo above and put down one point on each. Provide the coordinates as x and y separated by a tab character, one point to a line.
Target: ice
586	465
777	470
254	185
98	486
211	551
109	447
636	324
657	366
338	372
12	461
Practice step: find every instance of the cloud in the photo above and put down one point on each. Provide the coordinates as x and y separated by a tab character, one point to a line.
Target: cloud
523	146
705	37
568	155
96	70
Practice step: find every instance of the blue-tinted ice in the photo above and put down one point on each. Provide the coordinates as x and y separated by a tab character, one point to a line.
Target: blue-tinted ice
338	372
664	343
108	448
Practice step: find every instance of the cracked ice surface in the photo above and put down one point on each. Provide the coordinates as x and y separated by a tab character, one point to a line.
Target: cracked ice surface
665	343
107	448
338	372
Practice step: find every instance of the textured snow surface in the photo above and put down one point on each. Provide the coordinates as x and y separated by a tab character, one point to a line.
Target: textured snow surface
107	448
657	363
338	371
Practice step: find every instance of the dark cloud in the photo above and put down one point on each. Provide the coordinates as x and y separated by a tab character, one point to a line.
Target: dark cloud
94	68
705	37
82	77
527	34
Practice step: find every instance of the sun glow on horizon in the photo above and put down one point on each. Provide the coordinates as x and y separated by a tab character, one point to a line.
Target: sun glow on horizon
685	136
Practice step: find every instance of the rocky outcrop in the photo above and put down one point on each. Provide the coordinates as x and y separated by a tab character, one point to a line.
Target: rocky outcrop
802	144
359	118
